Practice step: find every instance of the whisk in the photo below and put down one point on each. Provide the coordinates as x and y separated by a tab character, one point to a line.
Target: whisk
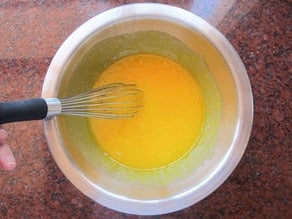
112	101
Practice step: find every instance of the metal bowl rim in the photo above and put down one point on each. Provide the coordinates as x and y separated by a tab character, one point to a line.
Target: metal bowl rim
229	162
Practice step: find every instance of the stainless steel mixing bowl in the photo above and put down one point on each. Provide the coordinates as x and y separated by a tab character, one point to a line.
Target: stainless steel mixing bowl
65	139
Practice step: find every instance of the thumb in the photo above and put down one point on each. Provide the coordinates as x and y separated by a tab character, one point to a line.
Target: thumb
7	161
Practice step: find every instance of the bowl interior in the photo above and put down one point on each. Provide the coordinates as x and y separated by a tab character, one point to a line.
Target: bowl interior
83	69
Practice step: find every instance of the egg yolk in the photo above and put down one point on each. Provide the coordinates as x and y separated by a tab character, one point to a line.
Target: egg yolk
167	125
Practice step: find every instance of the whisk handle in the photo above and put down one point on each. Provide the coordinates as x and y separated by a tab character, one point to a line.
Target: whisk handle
23	110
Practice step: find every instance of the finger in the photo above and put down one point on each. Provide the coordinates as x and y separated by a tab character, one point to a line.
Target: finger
7	161
3	136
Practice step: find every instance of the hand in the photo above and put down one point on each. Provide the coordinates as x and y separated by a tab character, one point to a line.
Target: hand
7	161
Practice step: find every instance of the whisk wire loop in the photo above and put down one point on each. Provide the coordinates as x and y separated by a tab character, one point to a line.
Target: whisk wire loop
113	101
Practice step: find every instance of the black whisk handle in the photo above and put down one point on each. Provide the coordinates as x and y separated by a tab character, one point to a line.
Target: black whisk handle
23	110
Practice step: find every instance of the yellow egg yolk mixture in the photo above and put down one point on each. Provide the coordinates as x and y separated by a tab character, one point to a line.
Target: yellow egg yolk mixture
167	125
